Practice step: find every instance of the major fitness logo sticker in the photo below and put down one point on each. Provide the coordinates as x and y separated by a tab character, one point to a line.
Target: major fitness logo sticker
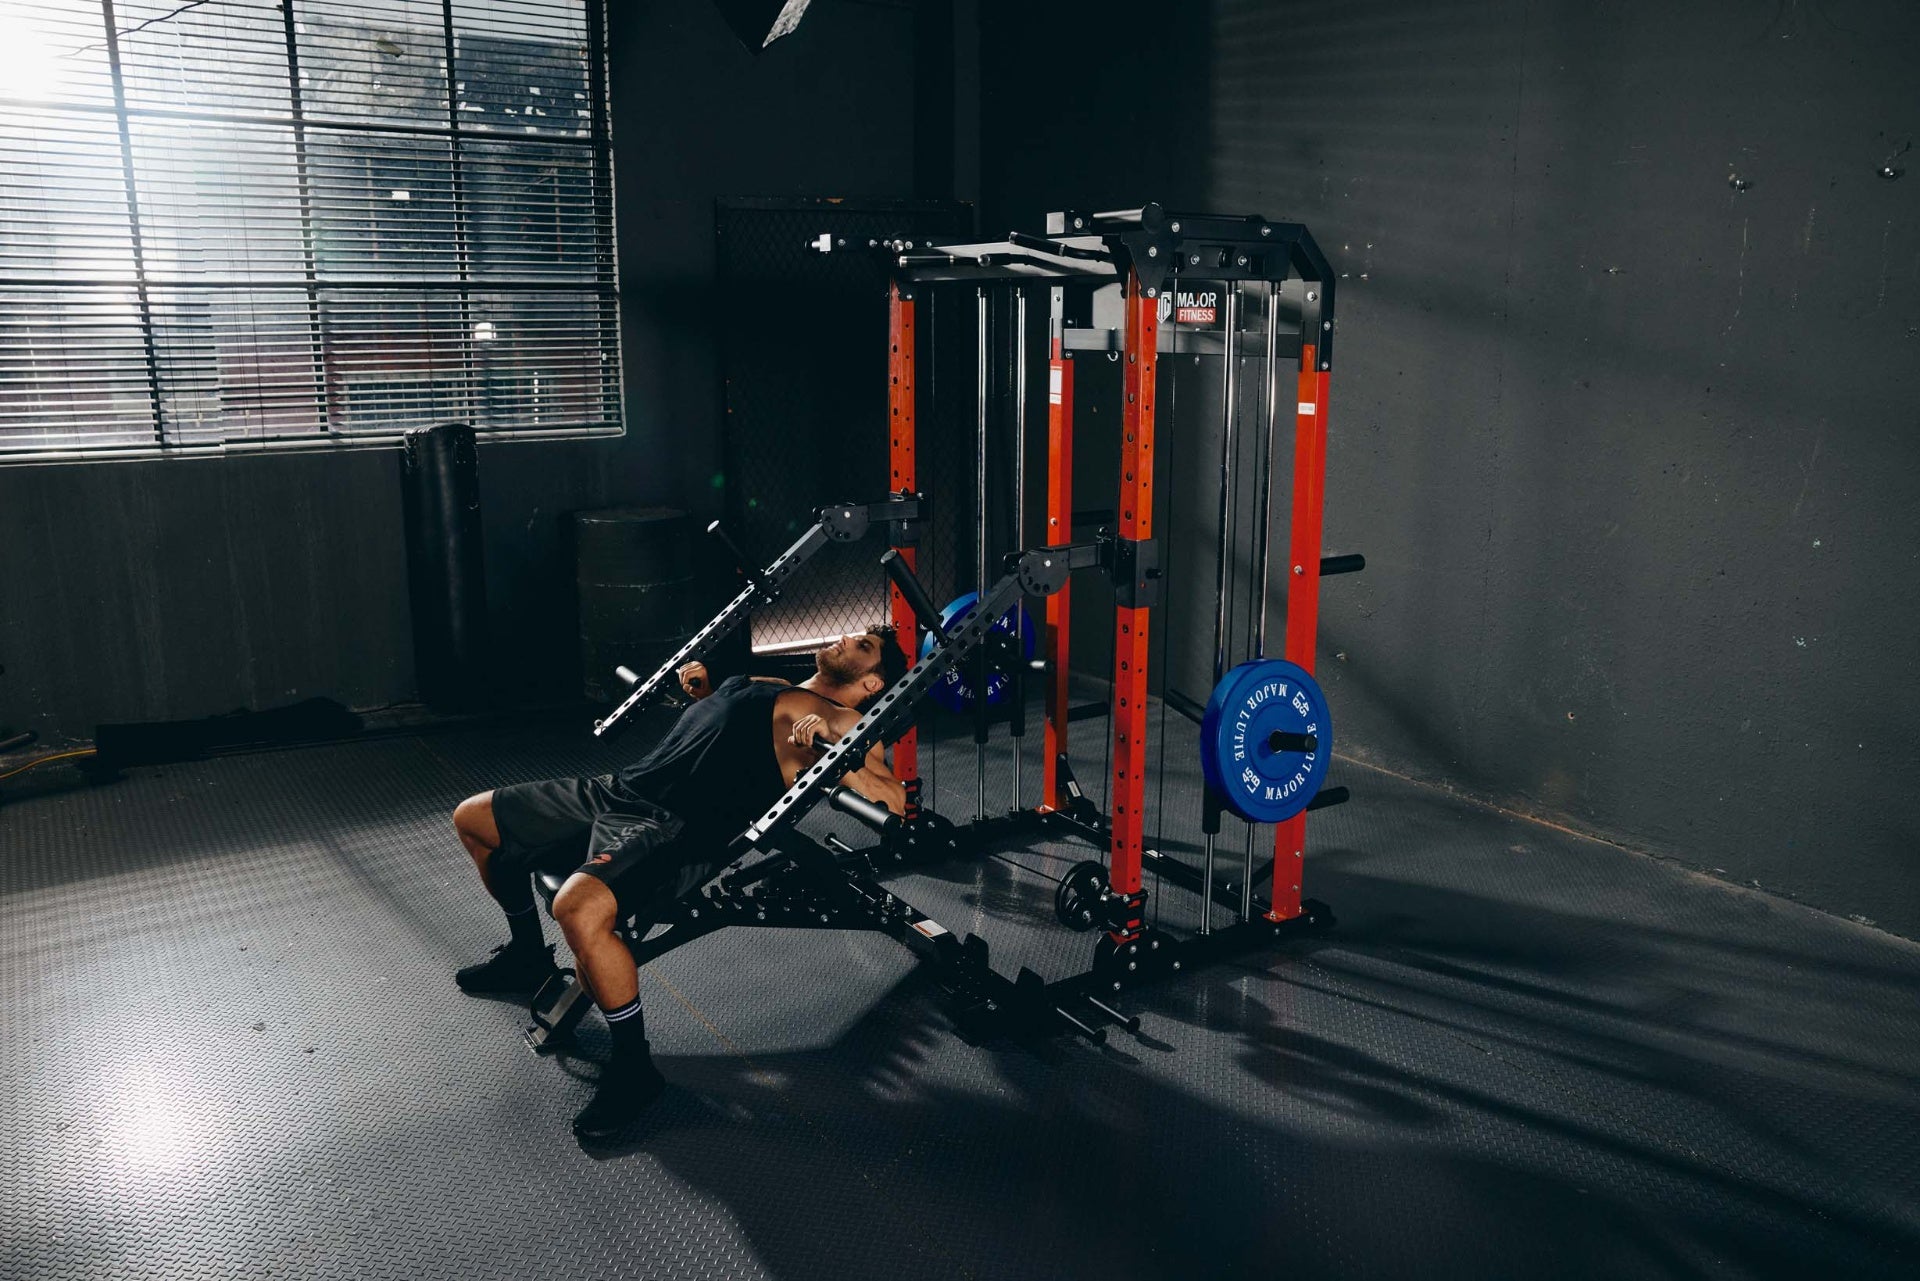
1196	306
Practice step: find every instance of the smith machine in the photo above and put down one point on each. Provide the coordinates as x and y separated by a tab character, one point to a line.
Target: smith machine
1130	286
1127	287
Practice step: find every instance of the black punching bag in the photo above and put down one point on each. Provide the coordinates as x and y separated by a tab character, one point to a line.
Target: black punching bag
446	566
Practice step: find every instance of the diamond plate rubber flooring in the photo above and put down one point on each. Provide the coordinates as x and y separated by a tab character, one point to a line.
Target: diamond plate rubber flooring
230	1046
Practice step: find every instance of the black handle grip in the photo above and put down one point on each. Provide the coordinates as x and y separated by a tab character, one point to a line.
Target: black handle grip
1352	564
872	813
914	594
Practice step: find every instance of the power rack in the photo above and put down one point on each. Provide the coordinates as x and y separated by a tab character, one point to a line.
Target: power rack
1113	279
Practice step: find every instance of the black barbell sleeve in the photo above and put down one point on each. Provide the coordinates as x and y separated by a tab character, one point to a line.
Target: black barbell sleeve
1281	741
915	595
872	813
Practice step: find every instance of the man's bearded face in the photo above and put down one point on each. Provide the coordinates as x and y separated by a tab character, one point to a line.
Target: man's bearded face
849	658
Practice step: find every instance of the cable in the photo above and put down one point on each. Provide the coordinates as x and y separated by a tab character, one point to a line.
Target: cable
1057	880
58	756
931	773
1166	655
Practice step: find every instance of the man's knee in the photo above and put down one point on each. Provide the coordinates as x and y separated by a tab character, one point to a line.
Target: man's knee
473	817
584	906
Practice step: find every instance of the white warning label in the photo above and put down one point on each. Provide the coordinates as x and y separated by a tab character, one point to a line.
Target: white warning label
932	929
1056	385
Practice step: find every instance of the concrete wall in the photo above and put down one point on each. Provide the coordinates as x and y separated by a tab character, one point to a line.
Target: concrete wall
1624	412
172	590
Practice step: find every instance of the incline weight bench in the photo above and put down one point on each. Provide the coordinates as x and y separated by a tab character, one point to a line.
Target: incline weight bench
776	877
558	1007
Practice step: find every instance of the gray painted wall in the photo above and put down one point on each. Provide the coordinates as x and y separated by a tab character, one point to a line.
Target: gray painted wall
172	590
1633	455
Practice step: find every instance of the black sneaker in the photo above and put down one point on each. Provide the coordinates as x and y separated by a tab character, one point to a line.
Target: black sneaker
623	1094
514	969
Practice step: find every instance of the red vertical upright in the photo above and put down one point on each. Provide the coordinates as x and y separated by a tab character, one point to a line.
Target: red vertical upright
1127	789
1059	530
900	431
1303	595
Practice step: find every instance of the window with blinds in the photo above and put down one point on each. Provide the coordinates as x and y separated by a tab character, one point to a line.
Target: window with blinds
236	224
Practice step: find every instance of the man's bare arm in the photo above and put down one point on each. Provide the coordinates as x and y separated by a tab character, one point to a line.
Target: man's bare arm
875	781
696	683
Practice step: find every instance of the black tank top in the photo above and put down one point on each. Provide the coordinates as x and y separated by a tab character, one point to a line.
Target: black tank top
716	768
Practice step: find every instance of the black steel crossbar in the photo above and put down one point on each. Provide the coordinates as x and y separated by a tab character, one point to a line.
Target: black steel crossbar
842	523
1039	572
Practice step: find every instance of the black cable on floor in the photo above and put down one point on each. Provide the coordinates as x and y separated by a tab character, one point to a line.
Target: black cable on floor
1023	867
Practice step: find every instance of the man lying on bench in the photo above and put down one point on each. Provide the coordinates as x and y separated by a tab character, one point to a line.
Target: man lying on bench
636	837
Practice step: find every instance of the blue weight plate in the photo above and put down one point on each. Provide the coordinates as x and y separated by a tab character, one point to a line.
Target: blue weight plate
954	690
1251	703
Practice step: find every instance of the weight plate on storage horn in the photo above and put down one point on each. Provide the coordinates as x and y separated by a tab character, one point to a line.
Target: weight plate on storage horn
1266	739
954	690
1078	895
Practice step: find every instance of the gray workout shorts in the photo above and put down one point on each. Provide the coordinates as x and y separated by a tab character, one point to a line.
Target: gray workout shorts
588	825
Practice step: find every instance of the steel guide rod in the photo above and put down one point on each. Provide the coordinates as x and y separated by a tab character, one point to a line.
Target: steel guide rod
1018	686
1058	528
982	671
1263	546
1223	572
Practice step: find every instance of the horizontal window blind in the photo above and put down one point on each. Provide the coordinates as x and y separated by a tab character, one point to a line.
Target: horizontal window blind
241	224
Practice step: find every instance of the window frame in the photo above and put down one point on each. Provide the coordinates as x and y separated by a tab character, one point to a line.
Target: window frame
466	161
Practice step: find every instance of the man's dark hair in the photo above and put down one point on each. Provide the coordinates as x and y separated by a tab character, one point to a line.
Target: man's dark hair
893	659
